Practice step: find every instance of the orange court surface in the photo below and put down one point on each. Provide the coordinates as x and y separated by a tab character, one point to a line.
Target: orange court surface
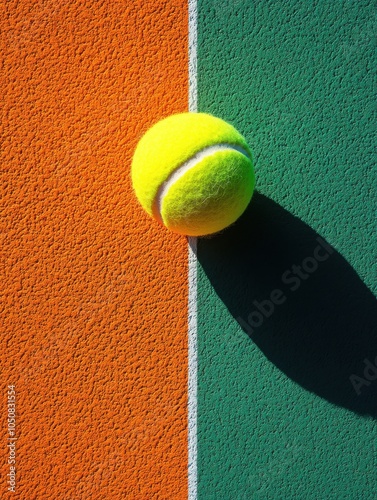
94	314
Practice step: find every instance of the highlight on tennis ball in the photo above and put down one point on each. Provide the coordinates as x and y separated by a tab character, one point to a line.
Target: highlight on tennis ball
193	173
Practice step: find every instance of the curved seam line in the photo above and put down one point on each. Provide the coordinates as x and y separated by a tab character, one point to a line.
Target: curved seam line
183	168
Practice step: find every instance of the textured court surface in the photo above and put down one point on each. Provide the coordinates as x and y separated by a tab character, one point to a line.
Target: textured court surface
94	318
94	294
278	416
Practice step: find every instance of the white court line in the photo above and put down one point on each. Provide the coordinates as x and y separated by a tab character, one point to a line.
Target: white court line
192	372
192	282
193	44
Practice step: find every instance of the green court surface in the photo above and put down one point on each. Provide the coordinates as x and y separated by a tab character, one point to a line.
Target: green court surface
287	311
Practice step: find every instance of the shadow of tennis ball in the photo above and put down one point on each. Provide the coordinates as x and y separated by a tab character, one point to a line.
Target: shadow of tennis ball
299	301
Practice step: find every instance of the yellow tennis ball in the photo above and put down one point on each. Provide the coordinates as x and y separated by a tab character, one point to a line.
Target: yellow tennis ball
194	173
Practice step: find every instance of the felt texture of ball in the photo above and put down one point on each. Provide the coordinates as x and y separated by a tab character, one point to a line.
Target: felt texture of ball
194	173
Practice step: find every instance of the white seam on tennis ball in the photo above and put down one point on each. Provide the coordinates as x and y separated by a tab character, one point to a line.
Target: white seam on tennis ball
182	169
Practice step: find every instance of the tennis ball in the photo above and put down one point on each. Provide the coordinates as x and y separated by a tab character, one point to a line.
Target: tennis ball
193	173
